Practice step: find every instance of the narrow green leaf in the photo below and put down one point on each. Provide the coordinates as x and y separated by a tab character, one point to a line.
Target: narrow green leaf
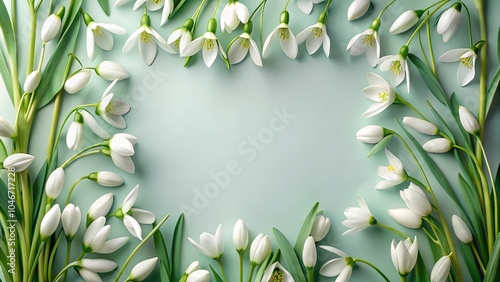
216	275
162	254
470	262
4	198
492	90
5	73
38	189
104	6
8	32
270	259
380	145
291	261
429	79
305	230
177	6
498	45
419	273
3	151
164	275
72	12
177	248
443	126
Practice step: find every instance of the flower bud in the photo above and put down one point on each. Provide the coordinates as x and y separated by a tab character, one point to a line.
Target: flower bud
18	162
111	70
98	265
449	21
55	183
201	275
461	229
6	129
370	134
441	269
121	146
32	81
112	245
95	235
468	120
70	219
406	217
260	249
404	255
438	145
77	81
357	9
195	265
100	207
421	125
404	22
416	200
309	255
320	228
74	137
240	236
94	125
106	178
142	269
50	221
52	25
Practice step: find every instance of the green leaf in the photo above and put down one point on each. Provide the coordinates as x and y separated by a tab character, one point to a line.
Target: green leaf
470	262
216	275
164	275
72	12
443	126
104	6
4	198
419	273
162	254
492	90
5	73
305	230
177	247
38	189
291	261
270	259
380	145
177	6
498	45
3	151
429	79
8	32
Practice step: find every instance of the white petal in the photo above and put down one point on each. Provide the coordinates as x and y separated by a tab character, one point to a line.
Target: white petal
113	28
154	5
104	40
313	43
161	42
305	6
143	216
237	53
209	56
465	74
123	162
138	3
90	44
93	125
453	55
326	43
254	53
302	36
375	109
290	46
129	201
242	12
131	40
333	267
132	226
148	51
167	10
112	245
193	47
268	41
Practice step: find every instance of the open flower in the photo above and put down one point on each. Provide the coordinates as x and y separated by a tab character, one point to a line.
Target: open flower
181	36
466	68
397	67
112	110
357	9
121	150
147	39
242	45
306	6
380	92
95	235
341	267
154	5
287	39
393	174
208	42
210	245
276	272
404	255
315	36
132	217
358	218
100	34
367	42
233	13
449	21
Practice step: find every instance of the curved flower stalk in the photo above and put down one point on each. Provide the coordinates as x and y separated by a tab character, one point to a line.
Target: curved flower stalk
208	42
358	218
397	66
315	36
393	174
306	6
242	45
380	92
112	110
232	14
287	39
100	34
367	42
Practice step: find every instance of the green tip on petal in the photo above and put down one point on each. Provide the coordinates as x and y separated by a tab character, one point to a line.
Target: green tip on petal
478	46
60	12
188	24
322	18
404	51
375	25
93	176
87	18
212	25
146	20
248	27
285	17
78	118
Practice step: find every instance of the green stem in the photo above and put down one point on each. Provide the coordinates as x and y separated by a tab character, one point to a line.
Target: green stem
219	261
493	186
403	278
53	252
393	230
469	24
216	8
33	266
385	9
252	267
63	271
256	9
372	266
68	255
483	73
286	4
326	6
73	187
240	255
310	274
81	154
402	101
478	257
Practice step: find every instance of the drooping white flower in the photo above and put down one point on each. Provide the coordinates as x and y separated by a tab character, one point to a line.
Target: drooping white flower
142	270
449	21
461	229
132	218
404	255
309	255
112	110
260	249
110	70
357	9
370	134
397	66
70	219
467	66
74	137
18	162
242	45
200	275
367	42
95	235
306	6
106	178
441	269
405	21
468	120
358	218
416	200
50	222
52	25
100	34
380	92
154	5
240	236
438	145
181	36
210	245
110	246
340	267
147	39
393	174
208	42
315	36
77	81
32	81
233	13
320	228
406	217
278	270
100	207
421	125
94	126
287	39
6	129
55	183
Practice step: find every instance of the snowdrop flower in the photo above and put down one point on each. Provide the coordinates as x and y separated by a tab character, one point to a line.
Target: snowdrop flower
397	67
461	229
95	235
181	36
438	145
210	245
357	9
94	125
154	5
358	218
6	129
142	269
32	81
260	249
240	236
341	267
441	269
100	34
421	125
309	255
370	134
112	110
315	36
97	265
380	92
321	227
416	200
110	70
147	39
120	2
50	222
106	178
406	217
208	42
70	219
200	275
466	68
468	120
18	162
74	137
242	45
121	149
55	183
233	13
132	217
405	21
100	207
393	174
287	39
404	255
87	275
276	272
112	245
52	25
195	265
77	81
367	42
449	21
306	6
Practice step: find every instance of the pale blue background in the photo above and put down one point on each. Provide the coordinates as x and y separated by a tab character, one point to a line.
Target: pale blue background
192	121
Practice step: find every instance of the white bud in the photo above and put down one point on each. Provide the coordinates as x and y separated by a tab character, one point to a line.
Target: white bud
98	265
70	219
438	145
404	22
240	235
406	217
357	9
142	269
441	269
260	249
200	275
50	221
111	70
468	120
421	125
55	183
100	207
18	162
32	81
370	134
309	255
320	228
461	229
77	81
6	129
50	28
106	178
